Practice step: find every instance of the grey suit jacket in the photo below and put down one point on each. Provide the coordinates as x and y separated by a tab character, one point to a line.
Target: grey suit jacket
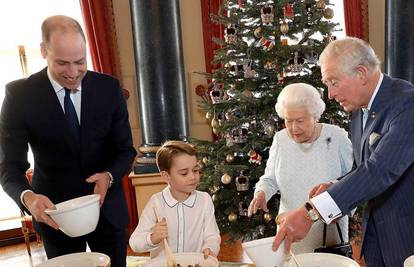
384	171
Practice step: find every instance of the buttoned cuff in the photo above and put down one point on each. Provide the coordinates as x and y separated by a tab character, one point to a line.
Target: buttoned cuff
326	207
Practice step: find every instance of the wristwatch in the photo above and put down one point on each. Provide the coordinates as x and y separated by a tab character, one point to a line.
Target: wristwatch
313	214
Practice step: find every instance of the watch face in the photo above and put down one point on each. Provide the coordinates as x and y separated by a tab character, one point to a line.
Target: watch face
313	215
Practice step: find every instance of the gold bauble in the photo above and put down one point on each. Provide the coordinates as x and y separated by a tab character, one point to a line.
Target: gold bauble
284	27
205	160
232	217
229	158
268	217
215	123
258	33
320	5
247	93
208	115
226	178
328	13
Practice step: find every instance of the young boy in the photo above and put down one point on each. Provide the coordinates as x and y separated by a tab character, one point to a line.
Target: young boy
188	220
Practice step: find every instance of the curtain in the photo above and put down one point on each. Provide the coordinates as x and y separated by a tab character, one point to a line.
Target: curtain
100	31
210	30
356	18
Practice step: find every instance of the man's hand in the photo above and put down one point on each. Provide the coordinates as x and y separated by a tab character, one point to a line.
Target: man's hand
258	202
319	189
159	231
207	252
294	226
101	181
37	204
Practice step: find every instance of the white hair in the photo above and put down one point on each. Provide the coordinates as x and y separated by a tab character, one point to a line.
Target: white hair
350	52
300	95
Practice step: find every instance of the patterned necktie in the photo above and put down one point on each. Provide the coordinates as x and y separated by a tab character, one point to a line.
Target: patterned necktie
70	114
365	113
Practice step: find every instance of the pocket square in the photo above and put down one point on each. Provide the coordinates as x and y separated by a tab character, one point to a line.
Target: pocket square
373	137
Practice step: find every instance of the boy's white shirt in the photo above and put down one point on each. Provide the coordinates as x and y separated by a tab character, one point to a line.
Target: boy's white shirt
191	224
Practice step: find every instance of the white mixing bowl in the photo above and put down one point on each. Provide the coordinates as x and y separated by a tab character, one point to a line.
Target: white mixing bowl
185	259
322	260
261	253
82	259
409	262
78	216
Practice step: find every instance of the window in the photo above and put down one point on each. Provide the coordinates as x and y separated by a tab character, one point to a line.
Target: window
21	20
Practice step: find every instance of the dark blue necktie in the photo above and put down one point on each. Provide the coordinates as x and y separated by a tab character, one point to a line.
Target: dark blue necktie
71	117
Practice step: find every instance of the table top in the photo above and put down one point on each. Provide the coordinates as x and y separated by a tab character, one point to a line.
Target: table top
138	261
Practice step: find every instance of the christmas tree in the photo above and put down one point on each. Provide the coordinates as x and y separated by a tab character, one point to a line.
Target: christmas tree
267	45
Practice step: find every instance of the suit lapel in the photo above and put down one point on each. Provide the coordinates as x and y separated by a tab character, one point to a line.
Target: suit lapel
356	130
87	109
380	102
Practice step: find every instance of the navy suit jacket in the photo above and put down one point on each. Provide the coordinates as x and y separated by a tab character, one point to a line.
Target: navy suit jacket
384	171
31	114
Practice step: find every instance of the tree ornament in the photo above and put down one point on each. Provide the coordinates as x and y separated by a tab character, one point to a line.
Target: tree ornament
230	34
214	123
243	211
267	14
205	160
226	178
270	65
217	94
267	217
295	64
320	5
215	131
328	13
232	217
239	134
249	72
214	197
288	11
284	41
258	33
229	158
269	129
255	157
247	93
284	27
267	44
242	182
208	115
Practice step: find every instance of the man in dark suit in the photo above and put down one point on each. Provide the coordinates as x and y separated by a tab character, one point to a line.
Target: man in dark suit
382	132
76	123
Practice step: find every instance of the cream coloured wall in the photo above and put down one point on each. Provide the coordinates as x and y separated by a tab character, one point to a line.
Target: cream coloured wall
376	9
193	47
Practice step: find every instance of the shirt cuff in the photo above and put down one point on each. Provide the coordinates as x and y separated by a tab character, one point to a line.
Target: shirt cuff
149	242
111	179
21	197
326	207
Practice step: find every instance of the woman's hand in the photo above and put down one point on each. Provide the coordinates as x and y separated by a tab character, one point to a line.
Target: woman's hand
320	188
207	252
159	232
258	202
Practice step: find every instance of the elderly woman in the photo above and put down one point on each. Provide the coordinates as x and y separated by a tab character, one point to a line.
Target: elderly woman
303	154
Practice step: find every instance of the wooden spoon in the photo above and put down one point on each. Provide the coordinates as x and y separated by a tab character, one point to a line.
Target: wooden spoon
295	259
169	257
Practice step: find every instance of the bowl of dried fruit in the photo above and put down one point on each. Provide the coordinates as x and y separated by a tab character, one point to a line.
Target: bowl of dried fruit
185	260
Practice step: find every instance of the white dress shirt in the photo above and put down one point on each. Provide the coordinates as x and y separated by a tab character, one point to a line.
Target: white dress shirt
191	224
324	203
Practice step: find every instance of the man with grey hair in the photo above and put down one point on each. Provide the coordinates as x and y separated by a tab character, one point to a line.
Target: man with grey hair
383	174
76	123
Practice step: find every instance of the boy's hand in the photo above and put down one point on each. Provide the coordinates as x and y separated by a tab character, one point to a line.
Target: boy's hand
207	252
159	232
